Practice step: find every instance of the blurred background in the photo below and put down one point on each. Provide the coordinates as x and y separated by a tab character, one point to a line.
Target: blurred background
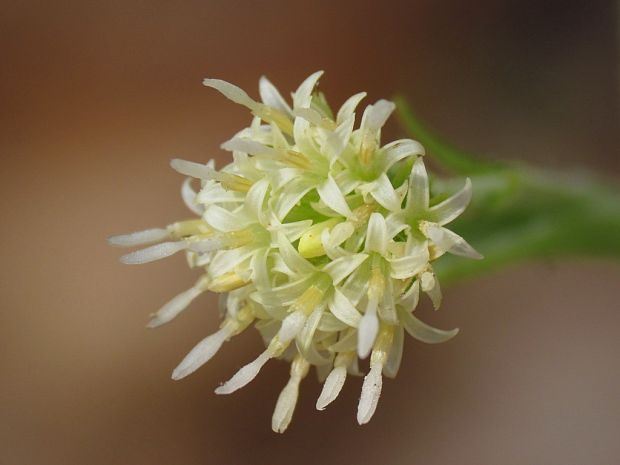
96	97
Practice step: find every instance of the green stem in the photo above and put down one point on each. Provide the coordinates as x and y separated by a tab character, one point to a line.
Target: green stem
520	213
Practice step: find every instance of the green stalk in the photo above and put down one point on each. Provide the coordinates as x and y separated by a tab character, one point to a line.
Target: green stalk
521	213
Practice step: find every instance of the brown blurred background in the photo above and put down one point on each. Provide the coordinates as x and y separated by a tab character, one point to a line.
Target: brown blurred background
96	97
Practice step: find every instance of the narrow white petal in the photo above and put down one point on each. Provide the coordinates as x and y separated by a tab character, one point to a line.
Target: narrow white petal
310	115
155	252
430	284
452	207
251	147
367	330
232	92
371	391
376	236
189	197
400	149
223	220
290	194
285	407
379	114
408	266
173	307
303	94
338	140
270	96
192	169
448	241
245	375
418	195
332	197
344	310
383	192
396	354
292	258
201	353
423	332
332	387
139	237
342	267
348	108
291	326
255	198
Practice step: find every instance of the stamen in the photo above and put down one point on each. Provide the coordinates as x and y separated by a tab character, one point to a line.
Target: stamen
155	252
178	303
245	375
335	380
227	282
285	406
139	237
182	229
373	381
197	170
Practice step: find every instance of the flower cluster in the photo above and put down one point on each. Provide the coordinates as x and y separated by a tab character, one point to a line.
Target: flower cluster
307	237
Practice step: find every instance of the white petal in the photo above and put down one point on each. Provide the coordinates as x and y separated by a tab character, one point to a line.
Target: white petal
340	268
448	241
400	149
332	387
295	230
379	114
371	391
291	326
423	332
306	335
155	252
270	96
348	108
430	284
332	197
223	220
285	407
367	330
418	195
226	260
344	310
245	375
376	236
290	194
287	399
408	266
452	207
201	353
259	268
232	92
189	197
338	140
251	147
192	169
255	198
383	192
396	354
303	94
175	306
292	258
139	237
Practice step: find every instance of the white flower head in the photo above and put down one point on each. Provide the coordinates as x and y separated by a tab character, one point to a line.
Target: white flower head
308	240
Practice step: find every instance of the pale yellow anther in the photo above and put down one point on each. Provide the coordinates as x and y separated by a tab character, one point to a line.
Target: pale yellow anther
310	243
275	116
299	368
296	159
383	345
233	182
182	229
376	284
344	359
227	282
361	214
367	148
309	300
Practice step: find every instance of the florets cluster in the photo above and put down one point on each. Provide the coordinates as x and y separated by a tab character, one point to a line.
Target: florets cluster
308	238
